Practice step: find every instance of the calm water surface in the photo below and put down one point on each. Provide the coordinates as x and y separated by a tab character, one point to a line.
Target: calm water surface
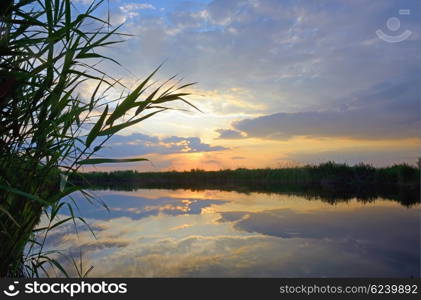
182	233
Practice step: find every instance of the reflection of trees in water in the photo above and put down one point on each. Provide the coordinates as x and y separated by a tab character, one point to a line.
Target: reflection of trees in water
330	182
407	196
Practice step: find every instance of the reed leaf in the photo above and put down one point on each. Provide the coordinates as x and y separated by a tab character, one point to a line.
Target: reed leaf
96	161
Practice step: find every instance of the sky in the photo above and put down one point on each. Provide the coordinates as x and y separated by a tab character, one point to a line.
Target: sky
280	83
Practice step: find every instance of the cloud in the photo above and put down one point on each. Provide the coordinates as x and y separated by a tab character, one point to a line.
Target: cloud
354	124
377	156
253	256
249	240
332	224
229	134
191	144
238	157
85	2
297	71
289	55
141	144
386	111
130	7
136	207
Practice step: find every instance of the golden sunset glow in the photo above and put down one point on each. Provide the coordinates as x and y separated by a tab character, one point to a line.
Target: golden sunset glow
268	106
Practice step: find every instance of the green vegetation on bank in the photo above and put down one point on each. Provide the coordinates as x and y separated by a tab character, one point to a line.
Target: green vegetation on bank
328	181
324	174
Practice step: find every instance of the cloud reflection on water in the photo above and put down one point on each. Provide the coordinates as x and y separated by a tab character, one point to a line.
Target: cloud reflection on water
186	237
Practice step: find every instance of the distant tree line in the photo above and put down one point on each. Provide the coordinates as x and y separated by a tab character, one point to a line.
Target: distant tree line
329	173
328	180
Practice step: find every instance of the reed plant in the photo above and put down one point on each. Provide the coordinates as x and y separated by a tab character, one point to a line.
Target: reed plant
48	129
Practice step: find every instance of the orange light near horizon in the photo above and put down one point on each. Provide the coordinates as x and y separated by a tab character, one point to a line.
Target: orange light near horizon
255	153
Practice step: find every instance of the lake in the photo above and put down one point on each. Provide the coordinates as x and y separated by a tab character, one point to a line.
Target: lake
210	233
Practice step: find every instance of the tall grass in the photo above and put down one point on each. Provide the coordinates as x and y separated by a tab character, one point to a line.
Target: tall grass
47	129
